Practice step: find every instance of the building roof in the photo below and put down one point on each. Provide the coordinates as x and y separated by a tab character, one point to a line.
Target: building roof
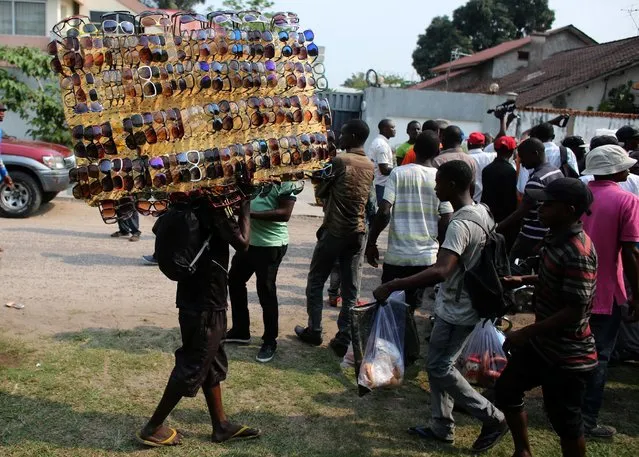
504	48
134	5
437	79
566	70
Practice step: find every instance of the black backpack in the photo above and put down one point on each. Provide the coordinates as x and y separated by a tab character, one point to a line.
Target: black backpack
482	281
179	242
565	168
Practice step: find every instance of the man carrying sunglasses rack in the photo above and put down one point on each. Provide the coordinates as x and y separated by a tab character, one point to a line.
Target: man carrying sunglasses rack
4	174
201	361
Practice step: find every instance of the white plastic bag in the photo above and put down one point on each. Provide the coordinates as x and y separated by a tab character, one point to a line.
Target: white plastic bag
383	362
483	359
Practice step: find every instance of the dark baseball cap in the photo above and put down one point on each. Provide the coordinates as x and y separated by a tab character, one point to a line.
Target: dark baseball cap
627	133
3	107
566	190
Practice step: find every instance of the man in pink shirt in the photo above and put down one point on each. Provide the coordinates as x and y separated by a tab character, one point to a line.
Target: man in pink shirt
613	226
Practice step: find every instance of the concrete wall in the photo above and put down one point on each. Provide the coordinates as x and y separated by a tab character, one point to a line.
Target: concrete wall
465	110
509	63
559	42
591	94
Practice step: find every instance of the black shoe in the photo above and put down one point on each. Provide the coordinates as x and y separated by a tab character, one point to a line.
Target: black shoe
427	433
308	336
234	337
490	436
338	348
267	352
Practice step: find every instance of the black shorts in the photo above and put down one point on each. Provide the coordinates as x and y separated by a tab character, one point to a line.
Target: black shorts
201	361
563	390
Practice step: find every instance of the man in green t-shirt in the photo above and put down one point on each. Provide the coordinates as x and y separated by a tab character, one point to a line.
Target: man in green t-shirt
270	213
413	129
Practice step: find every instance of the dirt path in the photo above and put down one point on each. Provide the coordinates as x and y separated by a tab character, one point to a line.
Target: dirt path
70	275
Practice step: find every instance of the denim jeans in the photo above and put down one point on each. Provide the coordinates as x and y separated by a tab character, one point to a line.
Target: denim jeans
334	282
264	262
605	329
130	225
447	385
348	251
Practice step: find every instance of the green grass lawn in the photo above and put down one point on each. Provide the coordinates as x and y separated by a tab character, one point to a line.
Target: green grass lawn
85	394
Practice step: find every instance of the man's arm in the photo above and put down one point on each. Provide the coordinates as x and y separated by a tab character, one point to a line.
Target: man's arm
237	233
381	220
630	261
550	325
323	188
385	169
515	218
446	264
281	214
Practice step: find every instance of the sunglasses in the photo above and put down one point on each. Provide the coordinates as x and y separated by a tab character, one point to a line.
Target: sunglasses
154	205
84	191
114	210
92	132
154	19
113	26
95	150
74	26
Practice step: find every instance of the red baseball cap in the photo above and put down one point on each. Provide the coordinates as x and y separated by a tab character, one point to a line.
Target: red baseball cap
476	138
507	142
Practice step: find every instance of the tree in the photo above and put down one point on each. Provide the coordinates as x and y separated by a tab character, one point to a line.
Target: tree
485	22
434	46
41	105
244	5
182	5
620	100
358	81
477	25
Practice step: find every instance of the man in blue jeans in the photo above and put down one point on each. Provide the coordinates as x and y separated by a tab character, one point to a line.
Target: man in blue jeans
341	236
455	316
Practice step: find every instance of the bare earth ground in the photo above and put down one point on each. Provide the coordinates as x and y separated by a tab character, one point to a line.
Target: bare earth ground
84	363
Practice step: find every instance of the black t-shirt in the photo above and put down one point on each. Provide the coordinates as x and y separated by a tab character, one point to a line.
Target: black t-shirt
499	181
207	287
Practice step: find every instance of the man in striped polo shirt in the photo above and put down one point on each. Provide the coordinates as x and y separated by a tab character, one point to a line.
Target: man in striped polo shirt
557	352
532	232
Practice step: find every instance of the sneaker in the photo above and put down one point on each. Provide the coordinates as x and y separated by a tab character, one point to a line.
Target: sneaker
334	302
135	237
118	234
427	433
267	352
150	259
490	436
233	336
338	348
601	431
308	336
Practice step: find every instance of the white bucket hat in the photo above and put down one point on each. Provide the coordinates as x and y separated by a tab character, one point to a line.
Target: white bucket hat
607	160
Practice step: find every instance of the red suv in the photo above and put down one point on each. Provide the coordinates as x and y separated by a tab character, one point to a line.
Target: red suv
39	171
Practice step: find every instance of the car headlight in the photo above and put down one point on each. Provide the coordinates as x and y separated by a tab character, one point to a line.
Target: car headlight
54	162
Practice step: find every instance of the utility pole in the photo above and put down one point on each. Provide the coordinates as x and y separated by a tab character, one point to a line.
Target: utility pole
455	54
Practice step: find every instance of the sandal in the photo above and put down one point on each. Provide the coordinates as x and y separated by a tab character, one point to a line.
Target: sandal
244	433
172	440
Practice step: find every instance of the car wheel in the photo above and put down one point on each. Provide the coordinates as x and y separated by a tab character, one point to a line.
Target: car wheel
21	200
48	196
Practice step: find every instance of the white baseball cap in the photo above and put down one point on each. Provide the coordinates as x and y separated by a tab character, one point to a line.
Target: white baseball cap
607	160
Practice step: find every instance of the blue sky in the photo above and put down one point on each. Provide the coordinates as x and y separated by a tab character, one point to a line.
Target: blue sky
359	34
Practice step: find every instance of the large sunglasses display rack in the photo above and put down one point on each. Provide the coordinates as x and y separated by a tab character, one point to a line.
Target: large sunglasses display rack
163	108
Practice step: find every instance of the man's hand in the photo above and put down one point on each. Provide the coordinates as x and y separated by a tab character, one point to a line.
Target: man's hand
516	339
512	282
382	292
633	310
372	255
8	181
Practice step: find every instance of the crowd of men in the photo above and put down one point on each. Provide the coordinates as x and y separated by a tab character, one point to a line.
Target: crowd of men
440	201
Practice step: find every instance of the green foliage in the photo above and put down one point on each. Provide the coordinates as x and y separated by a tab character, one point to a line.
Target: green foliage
183	5
244	5
41	105
358	81
434	46
477	25
620	100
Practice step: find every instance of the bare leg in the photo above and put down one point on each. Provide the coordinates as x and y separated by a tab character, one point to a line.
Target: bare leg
154	428
223	430
573	448
518	424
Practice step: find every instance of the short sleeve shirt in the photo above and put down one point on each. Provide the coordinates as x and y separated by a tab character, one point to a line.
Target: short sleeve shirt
614	219
270	233
466	239
567	277
402	149
553	157
449	155
412	237
483	159
542	176
381	153
500	188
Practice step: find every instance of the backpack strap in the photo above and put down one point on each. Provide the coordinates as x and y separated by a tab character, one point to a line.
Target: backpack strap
200	252
563	152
